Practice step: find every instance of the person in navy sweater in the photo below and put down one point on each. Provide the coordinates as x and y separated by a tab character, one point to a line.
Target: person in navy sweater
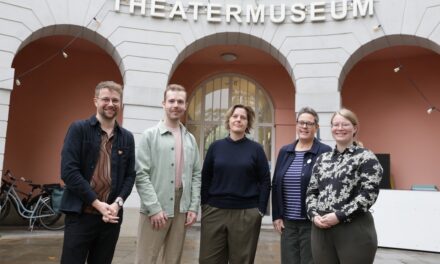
291	178
234	194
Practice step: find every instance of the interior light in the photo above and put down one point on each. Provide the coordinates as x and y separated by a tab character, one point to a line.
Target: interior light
229	56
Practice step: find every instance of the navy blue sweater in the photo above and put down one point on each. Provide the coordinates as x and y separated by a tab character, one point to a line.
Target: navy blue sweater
236	175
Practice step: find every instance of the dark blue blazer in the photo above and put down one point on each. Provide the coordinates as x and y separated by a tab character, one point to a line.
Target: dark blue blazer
285	158
78	160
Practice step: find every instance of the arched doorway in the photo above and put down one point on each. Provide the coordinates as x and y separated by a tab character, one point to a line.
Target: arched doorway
214	97
254	78
393	113
49	98
252	67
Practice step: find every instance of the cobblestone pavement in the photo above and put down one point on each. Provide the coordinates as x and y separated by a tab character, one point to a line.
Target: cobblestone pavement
44	247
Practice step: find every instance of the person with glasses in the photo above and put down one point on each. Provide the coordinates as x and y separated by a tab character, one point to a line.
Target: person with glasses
97	166
291	178
343	187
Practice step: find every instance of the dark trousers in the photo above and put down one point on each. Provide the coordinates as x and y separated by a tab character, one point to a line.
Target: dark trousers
295	242
346	243
87	237
229	235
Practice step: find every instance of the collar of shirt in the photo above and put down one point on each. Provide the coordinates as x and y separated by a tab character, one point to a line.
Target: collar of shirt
351	149
313	149
95	122
229	139
164	129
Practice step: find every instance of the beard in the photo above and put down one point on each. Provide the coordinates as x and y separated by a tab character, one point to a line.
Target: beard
108	113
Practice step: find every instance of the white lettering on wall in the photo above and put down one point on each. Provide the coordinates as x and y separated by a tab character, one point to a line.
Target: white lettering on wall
178	10
117	5
214	13
282	14
158	8
362	8
298	13
317	11
233	11
217	13
255	14
140	4
195	7
343	14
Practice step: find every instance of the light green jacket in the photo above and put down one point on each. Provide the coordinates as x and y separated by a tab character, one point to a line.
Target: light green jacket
155	171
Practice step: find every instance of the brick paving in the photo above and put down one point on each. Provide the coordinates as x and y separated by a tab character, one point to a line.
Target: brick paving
38	247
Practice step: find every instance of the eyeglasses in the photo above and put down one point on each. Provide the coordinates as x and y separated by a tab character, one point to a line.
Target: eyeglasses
305	123
107	100
343	125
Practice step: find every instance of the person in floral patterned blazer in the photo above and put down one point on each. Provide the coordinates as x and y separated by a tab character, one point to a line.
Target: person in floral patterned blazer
343	187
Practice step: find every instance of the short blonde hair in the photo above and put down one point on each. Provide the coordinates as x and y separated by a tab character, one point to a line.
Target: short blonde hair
173	87
250	116
111	85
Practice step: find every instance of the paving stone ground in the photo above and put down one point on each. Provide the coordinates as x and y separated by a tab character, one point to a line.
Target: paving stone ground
23	247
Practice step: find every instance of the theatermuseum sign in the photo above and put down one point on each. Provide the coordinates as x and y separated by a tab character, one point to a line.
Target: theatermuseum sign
258	13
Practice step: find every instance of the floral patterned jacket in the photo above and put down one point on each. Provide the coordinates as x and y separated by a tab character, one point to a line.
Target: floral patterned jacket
345	183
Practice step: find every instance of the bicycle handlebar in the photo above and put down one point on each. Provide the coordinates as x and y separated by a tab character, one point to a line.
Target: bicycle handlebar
25	180
44	187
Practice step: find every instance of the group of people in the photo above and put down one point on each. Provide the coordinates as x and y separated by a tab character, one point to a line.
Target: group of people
320	197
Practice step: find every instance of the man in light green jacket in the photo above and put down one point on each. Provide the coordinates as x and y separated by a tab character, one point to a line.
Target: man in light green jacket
168	182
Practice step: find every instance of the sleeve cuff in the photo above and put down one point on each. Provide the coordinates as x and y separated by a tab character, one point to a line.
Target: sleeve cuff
194	209
154	209
263	211
341	217
91	197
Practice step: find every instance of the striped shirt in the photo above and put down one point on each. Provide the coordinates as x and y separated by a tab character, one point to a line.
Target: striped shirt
292	188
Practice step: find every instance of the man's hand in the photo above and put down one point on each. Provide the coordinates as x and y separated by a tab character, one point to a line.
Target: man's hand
114	209
278	225
158	220
191	218
109	215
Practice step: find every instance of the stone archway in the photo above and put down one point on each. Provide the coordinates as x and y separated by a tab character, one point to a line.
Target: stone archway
383	42
392	105
49	98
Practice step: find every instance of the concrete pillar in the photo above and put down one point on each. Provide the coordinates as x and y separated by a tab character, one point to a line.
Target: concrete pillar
323	95
6	85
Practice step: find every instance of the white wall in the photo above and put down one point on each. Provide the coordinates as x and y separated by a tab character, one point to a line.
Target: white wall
408	219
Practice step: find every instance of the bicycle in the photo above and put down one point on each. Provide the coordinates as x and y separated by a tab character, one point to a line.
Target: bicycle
29	199
35	208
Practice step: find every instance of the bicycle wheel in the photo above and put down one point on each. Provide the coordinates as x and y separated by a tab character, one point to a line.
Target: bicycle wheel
5	206
47	217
